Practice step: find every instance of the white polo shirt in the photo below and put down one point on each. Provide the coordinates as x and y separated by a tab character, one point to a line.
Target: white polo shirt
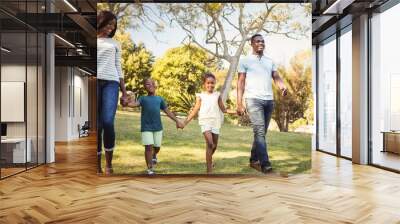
258	76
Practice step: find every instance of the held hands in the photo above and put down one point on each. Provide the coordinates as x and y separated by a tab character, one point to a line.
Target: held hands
229	111
124	100
180	124
240	110
129	100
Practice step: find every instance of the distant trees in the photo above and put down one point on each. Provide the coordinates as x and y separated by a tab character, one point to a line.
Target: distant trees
215	32
179	75
217	18
296	105
137	63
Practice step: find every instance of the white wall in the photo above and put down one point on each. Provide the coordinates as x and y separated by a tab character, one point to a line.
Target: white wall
33	127
80	110
71	101
14	73
61	103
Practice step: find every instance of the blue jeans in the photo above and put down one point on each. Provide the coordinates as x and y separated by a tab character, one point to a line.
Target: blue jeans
260	112
107	101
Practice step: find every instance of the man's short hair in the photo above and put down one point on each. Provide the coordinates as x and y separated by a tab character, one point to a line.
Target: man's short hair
254	36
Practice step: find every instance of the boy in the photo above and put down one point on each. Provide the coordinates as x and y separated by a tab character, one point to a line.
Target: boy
151	126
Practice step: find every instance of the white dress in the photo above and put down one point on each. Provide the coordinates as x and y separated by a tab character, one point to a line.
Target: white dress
210	114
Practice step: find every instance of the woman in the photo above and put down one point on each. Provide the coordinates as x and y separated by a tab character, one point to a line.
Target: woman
109	80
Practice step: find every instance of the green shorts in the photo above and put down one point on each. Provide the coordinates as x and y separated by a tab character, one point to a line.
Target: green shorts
152	138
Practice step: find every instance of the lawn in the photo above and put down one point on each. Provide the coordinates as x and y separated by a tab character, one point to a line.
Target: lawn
183	151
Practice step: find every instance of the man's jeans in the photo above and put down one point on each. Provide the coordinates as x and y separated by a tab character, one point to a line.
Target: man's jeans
107	101
260	112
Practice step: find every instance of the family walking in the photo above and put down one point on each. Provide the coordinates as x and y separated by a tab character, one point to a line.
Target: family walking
254	86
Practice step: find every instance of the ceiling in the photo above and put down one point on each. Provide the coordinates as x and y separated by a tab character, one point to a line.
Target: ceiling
74	22
328	16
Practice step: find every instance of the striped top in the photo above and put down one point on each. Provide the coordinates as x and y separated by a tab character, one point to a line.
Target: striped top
108	59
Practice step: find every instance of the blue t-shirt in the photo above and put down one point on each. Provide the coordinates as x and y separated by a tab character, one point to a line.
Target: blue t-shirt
258	76
150	115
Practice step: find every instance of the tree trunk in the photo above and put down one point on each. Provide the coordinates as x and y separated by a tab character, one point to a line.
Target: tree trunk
229	77
283	122
286	129
280	124
234	60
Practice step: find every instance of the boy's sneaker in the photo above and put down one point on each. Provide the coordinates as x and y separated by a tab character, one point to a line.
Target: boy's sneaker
150	172
154	161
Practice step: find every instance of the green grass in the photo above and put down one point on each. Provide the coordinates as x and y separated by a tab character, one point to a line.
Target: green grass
183	151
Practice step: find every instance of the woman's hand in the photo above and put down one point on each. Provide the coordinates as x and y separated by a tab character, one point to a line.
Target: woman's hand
124	100
180	124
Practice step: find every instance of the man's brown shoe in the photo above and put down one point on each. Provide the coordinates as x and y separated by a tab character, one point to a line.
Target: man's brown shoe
255	165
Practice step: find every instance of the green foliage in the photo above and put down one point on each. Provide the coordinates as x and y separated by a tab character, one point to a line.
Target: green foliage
309	114
297	79
179	75
137	63
217	19
129	15
290	20
185	102
138	66
298	123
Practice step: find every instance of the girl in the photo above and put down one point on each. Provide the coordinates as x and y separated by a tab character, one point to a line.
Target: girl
109	80
210	107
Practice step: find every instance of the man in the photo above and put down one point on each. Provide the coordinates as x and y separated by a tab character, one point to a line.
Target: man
256	72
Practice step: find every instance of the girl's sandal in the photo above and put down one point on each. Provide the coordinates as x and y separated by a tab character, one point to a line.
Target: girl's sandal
99	171
109	171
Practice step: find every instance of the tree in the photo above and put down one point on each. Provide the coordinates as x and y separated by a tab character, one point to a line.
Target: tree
217	18
136	62
179	75
137	66
299	98
126	13
132	15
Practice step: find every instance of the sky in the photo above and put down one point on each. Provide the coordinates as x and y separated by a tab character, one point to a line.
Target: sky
278	47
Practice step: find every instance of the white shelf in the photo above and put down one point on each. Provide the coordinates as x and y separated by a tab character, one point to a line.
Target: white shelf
19	153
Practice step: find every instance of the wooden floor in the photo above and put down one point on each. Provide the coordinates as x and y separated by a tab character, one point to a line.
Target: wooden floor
69	191
387	159
7	171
